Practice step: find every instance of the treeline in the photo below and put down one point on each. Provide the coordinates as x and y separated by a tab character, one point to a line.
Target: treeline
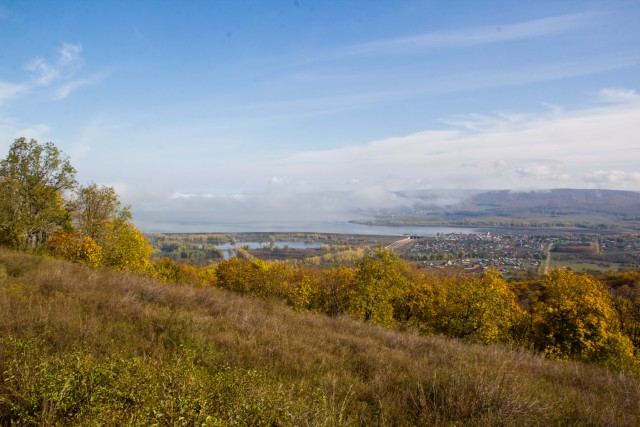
564	315
480	220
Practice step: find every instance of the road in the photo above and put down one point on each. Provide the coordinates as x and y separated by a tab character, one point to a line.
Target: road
547	263
399	243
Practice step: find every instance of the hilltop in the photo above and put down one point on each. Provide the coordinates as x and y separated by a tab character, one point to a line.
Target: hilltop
558	202
86	346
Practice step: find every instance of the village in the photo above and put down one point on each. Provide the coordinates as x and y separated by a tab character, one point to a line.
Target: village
521	253
476	252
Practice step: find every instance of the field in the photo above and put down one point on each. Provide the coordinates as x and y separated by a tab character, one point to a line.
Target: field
583	266
82	346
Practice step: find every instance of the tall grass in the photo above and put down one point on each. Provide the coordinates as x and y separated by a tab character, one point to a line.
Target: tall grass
85	347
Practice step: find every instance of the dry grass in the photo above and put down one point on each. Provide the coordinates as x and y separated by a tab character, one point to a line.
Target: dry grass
81	346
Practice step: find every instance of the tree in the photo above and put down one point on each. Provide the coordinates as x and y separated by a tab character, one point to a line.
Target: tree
576	320
71	246
235	274
100	233
380	283
125	248
94	228
477	309
94	208
627	305
333	294
33	180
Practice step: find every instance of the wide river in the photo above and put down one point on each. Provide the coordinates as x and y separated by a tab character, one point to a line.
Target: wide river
337	227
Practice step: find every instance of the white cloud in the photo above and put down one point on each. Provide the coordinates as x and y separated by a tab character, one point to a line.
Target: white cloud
65	89
10	129
545	170
586	148
374	196
11	90
617	94
65	66
473	36
480	122
608	178
164	210
70	54
43	71
187	196
61	74
483	78
543	150
179	195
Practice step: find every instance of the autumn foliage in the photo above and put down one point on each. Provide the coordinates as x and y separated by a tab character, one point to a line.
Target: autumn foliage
571	317
565	316
43	209
576	319
85	347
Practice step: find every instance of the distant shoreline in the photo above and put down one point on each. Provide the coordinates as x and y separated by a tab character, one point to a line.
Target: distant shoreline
335	227
502	229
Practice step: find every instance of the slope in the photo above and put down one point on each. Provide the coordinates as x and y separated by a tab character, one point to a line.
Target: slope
82	347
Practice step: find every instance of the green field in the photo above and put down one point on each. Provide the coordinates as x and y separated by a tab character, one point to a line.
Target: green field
584	266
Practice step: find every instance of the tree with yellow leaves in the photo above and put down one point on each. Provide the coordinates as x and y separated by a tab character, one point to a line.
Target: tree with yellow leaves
125	248
575	319
380	282
478	309
332	295
99	215
74	247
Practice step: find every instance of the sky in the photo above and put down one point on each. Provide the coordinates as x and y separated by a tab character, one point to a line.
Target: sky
202	113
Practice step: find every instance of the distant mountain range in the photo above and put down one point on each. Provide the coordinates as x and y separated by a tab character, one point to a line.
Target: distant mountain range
625	204
548	208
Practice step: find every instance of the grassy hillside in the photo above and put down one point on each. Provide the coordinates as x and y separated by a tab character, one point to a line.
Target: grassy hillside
83	346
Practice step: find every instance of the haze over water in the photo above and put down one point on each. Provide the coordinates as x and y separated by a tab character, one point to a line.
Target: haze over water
338	227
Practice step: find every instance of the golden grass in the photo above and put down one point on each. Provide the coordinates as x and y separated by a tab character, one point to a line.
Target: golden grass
86	347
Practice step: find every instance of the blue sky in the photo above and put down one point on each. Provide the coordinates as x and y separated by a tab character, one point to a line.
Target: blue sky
211	111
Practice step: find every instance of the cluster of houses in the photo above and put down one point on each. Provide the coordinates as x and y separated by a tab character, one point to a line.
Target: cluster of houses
629	242
507	253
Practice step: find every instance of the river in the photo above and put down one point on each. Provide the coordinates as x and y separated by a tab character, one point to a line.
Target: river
336	227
